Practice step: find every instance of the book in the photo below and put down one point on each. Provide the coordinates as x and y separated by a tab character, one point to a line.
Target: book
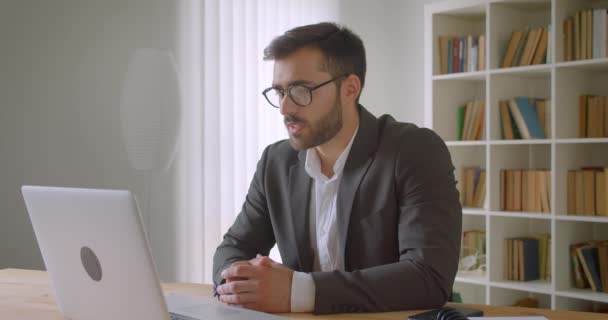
605	103
568	37
481	56
577	36
456	55
602	251
580	280
508	259
477	129
541	108
540	56
509	55
601	194
526	118
529	247
468	119
529	48
580	193
571	192
503	190
589	192
443	42
506	121
599	33
450	62
543	254
517	178
589	13
582	116
462	44
584	32
480	190
460	116
588	255
520	48
544	191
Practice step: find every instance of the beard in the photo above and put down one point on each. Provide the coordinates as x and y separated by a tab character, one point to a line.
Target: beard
320	132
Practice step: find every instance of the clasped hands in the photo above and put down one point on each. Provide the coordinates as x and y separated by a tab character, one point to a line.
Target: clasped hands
259	284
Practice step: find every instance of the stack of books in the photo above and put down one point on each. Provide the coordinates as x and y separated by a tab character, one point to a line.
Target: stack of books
524	118
527	258
473	187
592	116
590	265
528	47
586	35
471	120
461	54
525	190
588	191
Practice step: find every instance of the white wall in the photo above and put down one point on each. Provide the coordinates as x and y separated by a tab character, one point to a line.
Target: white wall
62	66
392	31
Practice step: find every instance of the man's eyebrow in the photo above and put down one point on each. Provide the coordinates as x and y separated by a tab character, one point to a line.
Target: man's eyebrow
294	83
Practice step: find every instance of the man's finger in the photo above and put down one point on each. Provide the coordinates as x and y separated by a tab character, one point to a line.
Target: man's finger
235	279
236	287
239	271
234	264
240	298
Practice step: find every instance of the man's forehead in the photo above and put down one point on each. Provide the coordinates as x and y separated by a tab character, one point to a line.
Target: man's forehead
300	65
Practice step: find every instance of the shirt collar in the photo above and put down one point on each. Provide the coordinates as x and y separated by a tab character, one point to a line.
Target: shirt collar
313	163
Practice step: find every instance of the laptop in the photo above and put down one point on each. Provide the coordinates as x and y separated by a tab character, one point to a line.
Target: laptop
99	263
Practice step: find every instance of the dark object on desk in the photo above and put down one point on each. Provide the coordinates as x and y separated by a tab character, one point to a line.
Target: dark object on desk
447	313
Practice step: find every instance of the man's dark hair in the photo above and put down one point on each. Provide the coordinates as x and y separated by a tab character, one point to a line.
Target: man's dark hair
342	49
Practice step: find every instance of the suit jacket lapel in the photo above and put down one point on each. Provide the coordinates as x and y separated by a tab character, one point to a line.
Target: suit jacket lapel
356	166
299	193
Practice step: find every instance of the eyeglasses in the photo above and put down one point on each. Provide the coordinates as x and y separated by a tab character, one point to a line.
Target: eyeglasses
299	94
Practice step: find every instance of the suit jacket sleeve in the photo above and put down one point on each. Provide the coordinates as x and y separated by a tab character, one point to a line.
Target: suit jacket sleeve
429	227
251	232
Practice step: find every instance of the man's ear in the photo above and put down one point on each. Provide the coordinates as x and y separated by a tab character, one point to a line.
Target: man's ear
351	87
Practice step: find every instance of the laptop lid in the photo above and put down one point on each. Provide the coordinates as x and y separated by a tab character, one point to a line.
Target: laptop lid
96	253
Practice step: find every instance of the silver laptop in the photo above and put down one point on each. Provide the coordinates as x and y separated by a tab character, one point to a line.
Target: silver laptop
97	256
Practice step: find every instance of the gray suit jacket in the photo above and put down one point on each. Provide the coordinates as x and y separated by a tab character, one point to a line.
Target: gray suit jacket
398	213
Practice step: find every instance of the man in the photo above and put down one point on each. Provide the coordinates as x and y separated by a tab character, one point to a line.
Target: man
364	210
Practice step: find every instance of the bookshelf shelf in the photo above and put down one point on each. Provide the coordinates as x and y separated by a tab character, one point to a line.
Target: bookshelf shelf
465	143
519	142
581	140
470	76
474	211
594	65
557	81
593	219
531	286
583	294
542	70
519	214
479	280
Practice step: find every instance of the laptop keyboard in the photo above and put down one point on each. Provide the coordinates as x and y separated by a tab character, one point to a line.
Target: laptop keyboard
175	316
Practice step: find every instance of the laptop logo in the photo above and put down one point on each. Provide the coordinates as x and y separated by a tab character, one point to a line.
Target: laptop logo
90	263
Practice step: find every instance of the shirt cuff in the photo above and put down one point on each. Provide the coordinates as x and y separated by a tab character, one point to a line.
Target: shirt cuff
302	292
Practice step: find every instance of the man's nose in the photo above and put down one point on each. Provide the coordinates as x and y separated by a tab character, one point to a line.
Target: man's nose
287	106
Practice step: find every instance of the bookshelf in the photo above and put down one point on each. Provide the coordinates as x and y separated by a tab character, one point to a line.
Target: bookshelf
559	81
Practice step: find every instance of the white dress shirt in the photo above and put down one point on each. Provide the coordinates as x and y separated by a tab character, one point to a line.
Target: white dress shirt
323	228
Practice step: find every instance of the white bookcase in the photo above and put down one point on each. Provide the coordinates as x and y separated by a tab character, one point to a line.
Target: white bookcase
562	83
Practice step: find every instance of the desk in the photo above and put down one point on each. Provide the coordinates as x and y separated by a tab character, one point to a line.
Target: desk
26	295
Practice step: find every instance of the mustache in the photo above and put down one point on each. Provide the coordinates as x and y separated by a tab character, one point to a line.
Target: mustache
292	119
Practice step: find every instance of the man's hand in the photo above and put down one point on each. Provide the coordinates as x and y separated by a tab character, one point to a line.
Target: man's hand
259	284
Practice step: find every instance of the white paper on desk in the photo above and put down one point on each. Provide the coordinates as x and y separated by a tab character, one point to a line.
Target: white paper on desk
508	318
